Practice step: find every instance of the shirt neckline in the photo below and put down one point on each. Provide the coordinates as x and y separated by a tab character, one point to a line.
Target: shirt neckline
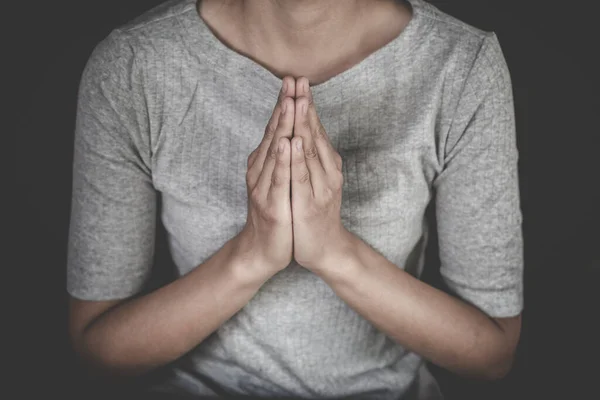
238	66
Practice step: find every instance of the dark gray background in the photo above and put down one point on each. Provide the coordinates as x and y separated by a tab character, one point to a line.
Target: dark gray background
550	51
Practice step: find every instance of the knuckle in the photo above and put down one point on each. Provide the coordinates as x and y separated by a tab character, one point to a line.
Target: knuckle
270	130
272	152
321	133
317	133
268	214
311	152
277	180
306	124
304	177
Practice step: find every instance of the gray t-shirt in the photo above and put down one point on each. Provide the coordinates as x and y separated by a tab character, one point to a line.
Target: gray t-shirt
166	109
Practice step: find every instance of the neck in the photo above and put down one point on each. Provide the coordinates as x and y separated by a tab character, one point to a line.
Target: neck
300	24
313	38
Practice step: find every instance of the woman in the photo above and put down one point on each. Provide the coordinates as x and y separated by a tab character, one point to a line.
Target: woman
296	146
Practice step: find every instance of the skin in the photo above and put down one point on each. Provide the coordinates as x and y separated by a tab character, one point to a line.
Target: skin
215	290
294	211
313	38
442	328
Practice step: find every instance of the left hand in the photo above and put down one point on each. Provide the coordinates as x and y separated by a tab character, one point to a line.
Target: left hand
316	178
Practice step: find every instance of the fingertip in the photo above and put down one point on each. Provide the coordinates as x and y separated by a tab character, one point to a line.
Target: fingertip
302	86
289	86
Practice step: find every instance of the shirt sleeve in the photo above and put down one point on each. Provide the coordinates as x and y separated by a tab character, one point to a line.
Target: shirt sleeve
113	203
477	192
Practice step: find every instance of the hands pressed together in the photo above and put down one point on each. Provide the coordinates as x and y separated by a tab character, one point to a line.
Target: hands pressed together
294	205
294	181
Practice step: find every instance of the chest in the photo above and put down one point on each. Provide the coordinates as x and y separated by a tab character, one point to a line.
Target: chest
200	168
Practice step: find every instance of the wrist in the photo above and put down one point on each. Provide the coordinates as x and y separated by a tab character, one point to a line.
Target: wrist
245	264
340	254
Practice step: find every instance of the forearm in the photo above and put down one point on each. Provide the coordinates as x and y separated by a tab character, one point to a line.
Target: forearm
157	328
443	329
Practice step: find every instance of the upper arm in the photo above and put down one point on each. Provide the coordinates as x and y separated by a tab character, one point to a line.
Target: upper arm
477	194
112	220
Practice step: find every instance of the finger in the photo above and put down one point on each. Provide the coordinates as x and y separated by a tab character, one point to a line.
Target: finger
256	159
300	175
289	82
327	153
302	86
288	89
284	129
303	129
280	181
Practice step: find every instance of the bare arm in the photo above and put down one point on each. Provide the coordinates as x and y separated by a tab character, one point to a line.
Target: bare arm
446	330
132	337
475	333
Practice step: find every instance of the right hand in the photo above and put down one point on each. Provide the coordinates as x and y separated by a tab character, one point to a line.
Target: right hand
267	238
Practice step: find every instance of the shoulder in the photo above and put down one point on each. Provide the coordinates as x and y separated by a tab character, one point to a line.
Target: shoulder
463	60
162	21
457	42
139	43
155	30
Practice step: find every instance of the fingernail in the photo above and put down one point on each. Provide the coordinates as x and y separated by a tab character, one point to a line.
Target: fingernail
299	144
280	146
